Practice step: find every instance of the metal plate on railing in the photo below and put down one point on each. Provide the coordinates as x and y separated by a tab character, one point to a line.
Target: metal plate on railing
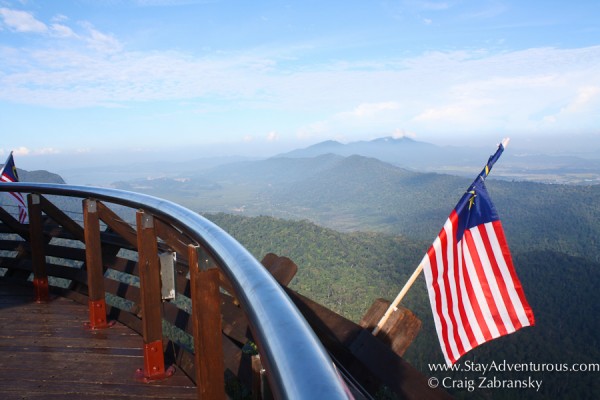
167	274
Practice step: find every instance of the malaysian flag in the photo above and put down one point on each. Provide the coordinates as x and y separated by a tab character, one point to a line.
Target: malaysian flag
9	174
474	291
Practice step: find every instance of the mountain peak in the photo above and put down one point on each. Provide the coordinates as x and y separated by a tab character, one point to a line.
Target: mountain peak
391	139
327	143
402	151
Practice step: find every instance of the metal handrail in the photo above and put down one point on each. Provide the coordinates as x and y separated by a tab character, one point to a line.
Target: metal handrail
298	365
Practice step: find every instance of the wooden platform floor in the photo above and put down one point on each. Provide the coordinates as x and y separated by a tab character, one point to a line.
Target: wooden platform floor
46	353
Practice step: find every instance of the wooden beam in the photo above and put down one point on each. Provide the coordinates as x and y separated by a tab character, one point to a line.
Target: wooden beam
368	359
283	269
173	238
400	329
37	242
61	218
13	224
110	218
208	341
93	261
154	362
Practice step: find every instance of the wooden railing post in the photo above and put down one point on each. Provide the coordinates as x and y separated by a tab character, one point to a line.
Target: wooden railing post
38	256
149	270
93	260
206	316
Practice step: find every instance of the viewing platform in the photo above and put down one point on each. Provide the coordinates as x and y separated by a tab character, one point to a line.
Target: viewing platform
112	294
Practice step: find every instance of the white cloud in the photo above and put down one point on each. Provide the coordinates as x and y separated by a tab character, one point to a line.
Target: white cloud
46	151
272	136
403	133
25	22
318	129
100	41
586	96
366	117
82	66
448	113
21	21
60	18
22	151
62	31
583	102
464	92
366	110
26	151
461	111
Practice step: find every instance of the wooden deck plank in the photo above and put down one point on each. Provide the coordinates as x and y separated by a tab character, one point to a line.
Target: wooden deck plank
47	353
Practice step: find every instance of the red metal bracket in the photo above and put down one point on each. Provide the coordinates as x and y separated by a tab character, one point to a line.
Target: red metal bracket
154	364
98	315
41	291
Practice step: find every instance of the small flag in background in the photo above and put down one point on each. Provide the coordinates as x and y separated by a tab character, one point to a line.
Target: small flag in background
474	291
9	174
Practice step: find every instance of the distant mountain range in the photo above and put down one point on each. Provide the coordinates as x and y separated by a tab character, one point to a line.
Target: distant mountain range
426	157
364	193
402	152
357	193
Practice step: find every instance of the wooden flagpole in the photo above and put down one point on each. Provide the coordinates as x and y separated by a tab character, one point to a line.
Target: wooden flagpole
394	306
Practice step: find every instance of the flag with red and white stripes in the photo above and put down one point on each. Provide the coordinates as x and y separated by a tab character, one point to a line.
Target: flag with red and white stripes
9	174
473	288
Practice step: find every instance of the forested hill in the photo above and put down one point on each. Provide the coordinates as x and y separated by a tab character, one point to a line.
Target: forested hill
359	193
348	271
40	176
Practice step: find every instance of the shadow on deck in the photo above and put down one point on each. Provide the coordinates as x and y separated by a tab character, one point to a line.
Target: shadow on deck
46	352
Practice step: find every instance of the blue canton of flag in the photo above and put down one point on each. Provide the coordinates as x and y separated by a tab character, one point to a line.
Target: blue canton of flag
9	174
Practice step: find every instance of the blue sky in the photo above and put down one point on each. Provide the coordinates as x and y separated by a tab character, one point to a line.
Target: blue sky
87	78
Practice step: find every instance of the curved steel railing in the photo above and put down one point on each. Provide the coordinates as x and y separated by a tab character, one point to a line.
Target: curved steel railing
297	364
